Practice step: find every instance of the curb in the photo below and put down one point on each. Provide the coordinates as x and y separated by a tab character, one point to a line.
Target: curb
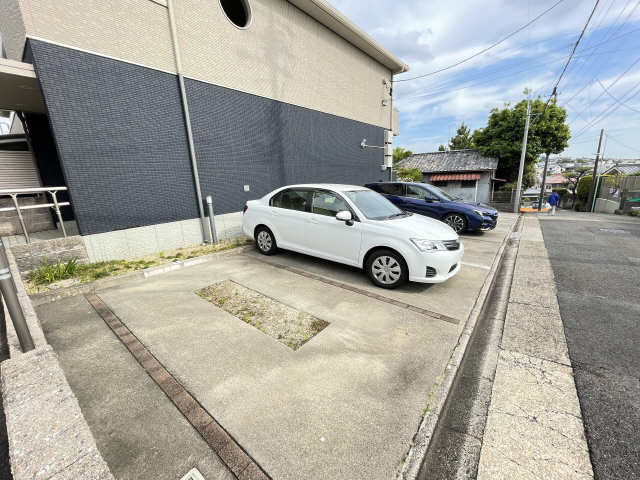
47	433
422	438
100	284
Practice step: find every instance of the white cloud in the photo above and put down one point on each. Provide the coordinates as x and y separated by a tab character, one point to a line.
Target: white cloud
429	35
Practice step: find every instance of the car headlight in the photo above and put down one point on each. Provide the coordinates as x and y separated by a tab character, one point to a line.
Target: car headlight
479	212
425	245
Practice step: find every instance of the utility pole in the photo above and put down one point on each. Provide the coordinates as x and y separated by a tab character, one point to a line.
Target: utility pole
516	203
388	137
592	188
544	180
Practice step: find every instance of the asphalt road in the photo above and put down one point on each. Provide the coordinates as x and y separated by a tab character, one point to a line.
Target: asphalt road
596	262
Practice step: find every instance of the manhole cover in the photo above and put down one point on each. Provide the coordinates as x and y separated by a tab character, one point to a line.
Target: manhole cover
614	230
193	474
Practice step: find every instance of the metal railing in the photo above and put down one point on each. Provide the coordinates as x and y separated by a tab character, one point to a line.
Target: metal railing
55	204
9	295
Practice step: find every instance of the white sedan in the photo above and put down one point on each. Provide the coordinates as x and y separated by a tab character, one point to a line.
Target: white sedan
355	226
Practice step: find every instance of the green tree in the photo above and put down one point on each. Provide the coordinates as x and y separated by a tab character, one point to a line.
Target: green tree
502	137
574	177
400	154
442	148
410	175
463	139
553	131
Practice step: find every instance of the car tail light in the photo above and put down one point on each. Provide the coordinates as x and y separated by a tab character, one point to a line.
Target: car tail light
244	209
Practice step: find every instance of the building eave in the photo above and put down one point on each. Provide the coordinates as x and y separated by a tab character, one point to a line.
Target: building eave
335	21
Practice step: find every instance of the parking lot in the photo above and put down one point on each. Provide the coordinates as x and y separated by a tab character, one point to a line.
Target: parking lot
344	405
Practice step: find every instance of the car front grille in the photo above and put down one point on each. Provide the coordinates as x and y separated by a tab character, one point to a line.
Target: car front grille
431	272
452	244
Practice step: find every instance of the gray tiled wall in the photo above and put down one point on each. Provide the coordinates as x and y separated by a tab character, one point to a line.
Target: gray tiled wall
121	138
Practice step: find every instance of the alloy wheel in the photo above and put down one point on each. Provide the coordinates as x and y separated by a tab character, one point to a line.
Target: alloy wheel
456	222
264	241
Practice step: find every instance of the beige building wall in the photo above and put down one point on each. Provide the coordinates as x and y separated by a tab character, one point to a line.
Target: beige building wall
284	54
136	31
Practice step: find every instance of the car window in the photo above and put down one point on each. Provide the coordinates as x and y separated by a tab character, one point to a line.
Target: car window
373	205
327	203
291	200
390	188
414	191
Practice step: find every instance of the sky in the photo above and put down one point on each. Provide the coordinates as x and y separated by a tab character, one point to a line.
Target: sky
601	88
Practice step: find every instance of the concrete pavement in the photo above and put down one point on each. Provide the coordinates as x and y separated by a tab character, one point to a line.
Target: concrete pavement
345	405
534	426
137	429
596	261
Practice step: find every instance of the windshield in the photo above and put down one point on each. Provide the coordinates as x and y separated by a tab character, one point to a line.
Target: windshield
373	205
443	194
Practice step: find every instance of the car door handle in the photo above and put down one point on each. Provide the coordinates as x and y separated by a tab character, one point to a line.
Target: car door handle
315	222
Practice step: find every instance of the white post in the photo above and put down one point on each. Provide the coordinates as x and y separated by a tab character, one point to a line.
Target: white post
475	195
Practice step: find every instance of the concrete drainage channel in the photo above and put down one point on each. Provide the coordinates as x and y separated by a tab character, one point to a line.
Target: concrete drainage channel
454	449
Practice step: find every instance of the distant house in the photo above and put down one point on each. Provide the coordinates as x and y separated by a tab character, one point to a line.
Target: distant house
556	181
463	173
624	169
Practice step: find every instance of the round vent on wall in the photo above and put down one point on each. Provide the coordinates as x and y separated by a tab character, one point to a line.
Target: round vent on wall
237	11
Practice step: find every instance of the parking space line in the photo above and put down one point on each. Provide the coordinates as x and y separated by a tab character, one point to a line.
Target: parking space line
360	291
476	265
223	444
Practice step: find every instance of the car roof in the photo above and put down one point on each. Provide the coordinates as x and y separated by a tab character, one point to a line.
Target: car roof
338	187
403	183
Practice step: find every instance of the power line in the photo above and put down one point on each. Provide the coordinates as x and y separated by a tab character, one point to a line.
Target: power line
579	68
477	54
608	111
554	92
610	86
609	37
622	144
616	99
508	72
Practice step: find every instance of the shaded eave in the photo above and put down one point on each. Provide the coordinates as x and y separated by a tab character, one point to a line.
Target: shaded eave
342	26
19	87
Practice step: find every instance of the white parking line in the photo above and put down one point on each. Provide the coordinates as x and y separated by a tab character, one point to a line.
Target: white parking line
475	265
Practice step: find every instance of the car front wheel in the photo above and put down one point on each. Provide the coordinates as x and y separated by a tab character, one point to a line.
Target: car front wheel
265	241
387	269
456	221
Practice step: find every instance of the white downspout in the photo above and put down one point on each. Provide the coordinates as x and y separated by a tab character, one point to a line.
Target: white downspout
475	195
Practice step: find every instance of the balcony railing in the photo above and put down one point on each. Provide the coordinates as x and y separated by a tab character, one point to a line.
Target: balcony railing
55	205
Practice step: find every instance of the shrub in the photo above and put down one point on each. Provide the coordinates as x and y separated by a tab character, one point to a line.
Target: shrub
507	187
584	186
52	272
410	175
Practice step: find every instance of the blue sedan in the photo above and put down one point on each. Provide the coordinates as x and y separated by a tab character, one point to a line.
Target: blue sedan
429	200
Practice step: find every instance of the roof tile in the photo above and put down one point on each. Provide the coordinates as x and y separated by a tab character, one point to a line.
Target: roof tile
452	161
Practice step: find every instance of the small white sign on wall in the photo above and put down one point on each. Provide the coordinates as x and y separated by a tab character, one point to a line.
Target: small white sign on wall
247	188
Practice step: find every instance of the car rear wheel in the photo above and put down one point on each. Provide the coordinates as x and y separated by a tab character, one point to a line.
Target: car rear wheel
265	241
387	269
456	221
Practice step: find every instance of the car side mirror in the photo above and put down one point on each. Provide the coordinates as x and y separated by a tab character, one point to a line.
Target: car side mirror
345	216
428	199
